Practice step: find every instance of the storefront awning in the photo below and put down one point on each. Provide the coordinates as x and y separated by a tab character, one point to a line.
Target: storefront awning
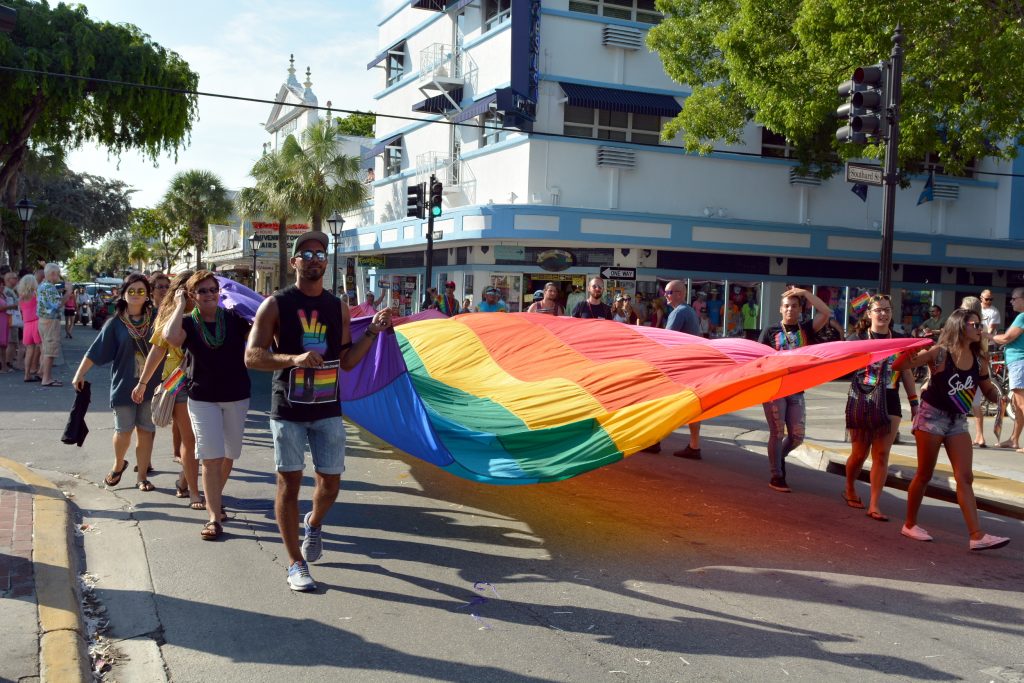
380	146
397	47
613	99
432	5
475	109
439	104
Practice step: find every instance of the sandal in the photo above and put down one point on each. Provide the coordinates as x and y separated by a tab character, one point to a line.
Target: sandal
854	502
145	485
114	478
54	383
180	491
211	531
198	504
878	516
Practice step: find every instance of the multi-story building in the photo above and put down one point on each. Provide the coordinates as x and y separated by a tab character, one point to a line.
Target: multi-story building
542	120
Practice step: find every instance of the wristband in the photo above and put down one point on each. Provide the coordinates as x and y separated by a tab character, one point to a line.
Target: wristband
912	397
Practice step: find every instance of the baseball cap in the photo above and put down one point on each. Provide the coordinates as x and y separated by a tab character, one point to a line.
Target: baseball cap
320	237
449	284
538	295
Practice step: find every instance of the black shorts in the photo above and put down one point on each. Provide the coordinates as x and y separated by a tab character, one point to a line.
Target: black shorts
892	403
69	315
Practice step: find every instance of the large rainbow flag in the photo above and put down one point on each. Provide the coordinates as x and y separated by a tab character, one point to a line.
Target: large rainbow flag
528	398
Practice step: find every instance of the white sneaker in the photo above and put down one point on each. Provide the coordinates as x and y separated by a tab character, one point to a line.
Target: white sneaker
989	542
299	578
917	533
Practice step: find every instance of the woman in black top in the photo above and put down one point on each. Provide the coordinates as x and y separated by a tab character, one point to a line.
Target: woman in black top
958	370
218	390
877	324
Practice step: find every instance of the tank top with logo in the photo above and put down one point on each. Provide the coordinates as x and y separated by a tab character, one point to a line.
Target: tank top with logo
952	389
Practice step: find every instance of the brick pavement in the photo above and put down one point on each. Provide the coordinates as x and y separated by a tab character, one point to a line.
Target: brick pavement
16	577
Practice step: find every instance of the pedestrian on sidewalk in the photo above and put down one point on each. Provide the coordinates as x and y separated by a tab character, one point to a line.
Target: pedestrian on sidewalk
183	439
218	391
787	415
309	330
49	309
27	305
877	323
9	304
958	370
1013	352
123	343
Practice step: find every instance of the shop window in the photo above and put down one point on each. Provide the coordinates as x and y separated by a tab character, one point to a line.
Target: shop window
496	12
642	11
395	65
603	124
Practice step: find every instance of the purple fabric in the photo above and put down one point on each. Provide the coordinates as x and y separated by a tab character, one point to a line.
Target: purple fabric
377	369
238	298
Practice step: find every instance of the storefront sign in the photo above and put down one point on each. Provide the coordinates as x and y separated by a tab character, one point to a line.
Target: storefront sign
266	233
370	261
556	260
504	252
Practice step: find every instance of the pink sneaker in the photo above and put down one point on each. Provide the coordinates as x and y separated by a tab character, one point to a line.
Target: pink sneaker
989	542
917	533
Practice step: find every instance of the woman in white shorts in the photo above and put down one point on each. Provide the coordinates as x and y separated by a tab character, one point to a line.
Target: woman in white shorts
218	391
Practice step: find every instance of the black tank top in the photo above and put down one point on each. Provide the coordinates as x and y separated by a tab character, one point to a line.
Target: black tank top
953	389
307	323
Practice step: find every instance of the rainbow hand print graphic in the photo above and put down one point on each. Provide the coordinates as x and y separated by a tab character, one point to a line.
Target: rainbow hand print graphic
314	334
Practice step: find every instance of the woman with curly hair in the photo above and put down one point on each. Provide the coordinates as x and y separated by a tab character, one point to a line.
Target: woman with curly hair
124	343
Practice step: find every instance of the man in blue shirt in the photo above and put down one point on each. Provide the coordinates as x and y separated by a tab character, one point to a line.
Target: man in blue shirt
681	318
492	302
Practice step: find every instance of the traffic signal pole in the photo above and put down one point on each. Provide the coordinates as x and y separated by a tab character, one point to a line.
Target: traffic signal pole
430	243
890	178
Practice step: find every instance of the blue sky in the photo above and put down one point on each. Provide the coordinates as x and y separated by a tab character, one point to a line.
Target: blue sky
241	47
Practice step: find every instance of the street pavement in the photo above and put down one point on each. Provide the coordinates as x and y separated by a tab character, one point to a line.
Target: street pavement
655	568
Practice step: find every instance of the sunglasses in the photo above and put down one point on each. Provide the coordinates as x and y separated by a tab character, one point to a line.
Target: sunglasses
986	298
310	255
162	287
136	292
887	311
207	290
975	324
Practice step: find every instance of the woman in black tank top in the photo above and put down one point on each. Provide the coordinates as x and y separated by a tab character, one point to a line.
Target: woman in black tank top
958	372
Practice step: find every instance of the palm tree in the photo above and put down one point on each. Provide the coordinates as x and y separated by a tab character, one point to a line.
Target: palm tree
197	198
326	180
275	196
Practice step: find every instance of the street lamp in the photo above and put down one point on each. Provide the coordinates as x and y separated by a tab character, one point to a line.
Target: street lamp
337	224
188	259
26	207
254	243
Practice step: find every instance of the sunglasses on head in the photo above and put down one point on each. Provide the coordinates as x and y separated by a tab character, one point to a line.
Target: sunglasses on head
136	292
207	290
308	255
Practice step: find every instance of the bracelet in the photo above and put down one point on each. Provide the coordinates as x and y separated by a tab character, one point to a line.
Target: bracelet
912	397
370	332
914	403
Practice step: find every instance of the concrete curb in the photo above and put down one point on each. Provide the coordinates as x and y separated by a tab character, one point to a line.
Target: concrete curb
63	655
994	494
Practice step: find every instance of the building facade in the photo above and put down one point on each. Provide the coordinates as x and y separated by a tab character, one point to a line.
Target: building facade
542	118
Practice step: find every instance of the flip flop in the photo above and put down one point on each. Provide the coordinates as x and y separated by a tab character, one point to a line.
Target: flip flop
114	478
878	516
854	502
54	383
145	485
198	504
211	531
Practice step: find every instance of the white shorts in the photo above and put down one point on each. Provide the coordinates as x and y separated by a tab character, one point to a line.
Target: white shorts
218	428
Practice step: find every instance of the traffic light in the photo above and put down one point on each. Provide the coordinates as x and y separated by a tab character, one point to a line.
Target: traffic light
865	106
435	197
414	202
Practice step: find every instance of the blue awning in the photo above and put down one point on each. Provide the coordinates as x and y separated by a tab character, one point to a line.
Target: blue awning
379	147
475	109
457	5
432	5
620	100
439	104
399	46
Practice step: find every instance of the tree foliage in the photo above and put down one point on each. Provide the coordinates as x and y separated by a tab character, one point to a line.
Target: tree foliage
195	199
83	266
166	238
778	64
274	196
113	258
64	112
325	179
360	125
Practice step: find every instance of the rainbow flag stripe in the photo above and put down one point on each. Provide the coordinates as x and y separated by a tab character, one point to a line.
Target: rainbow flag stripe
325	384
174	381
963	400
527	398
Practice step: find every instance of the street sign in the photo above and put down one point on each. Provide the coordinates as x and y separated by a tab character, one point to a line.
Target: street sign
618	273
437	235
868	174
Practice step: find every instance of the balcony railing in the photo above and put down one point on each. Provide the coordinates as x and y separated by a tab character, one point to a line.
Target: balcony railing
444	68
455	175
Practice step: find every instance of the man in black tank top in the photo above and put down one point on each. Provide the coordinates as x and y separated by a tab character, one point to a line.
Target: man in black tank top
301	333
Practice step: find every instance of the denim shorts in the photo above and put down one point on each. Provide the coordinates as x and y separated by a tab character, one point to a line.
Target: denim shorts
181	397
1016	372
931	420
128	417
326	439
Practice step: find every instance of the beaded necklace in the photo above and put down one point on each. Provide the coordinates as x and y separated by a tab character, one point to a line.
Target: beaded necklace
216	339
139	330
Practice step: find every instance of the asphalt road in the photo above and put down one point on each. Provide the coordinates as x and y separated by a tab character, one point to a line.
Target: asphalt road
655	569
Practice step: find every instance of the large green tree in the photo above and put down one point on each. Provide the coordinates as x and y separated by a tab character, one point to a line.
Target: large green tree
326	180
66	111
778	64
83	266
166	238
274	196
357	124
195	199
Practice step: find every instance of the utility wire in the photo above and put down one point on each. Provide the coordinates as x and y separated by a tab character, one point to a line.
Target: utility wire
398	117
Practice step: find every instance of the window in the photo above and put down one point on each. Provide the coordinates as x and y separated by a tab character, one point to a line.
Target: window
289	127
933	164
642	11
496	12
395	63
392	160
775	145
493	130
603	124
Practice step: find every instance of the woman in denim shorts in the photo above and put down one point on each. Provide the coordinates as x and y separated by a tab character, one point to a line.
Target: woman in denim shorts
958	371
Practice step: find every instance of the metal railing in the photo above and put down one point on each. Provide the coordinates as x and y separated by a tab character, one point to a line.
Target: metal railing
442	61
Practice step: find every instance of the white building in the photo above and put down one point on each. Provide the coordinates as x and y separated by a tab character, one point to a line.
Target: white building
519	76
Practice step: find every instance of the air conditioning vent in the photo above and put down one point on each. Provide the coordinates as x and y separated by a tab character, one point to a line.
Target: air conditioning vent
622	36
804	180
950	193
616	157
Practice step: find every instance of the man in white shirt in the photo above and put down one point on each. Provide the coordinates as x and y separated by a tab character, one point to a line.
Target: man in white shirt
990	316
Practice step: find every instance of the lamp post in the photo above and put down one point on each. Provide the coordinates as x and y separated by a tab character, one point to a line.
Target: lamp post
188	259
336	223
26	207
254	243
